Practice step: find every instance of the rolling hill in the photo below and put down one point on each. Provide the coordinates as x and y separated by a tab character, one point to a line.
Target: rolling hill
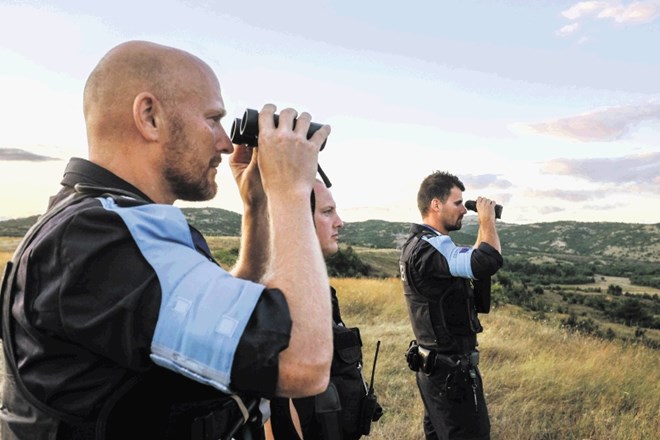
594	240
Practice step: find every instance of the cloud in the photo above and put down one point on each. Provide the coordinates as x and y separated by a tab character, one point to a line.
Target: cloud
638	172
15	154
566	195
633	13
474	182
585	8
568	29
607	124
636	12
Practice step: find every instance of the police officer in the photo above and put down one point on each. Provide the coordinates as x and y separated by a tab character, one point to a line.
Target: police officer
445	286
117	321
351	418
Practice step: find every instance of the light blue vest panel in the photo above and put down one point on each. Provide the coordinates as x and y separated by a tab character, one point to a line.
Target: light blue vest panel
204	309
457	257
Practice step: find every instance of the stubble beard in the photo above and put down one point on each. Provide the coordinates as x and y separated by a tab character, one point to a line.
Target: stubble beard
183	174
454	227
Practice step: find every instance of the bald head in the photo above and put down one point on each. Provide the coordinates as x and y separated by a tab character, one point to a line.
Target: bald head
128	70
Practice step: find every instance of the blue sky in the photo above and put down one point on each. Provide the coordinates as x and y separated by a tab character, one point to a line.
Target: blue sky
550	107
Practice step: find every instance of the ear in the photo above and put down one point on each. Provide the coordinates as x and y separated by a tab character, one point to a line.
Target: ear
435	204
146	115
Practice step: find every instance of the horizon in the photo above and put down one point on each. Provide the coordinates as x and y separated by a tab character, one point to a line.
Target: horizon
550	108
470	217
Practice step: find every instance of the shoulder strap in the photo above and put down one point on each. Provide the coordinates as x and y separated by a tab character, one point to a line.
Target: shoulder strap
327	407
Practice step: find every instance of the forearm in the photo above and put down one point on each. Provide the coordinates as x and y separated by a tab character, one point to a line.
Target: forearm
252	262
297	268
488	234
478	242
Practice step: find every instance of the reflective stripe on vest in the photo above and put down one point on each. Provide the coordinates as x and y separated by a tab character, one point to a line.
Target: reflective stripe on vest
204	309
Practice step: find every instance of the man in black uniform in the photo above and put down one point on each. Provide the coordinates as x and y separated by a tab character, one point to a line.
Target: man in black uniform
445	286
117	322
299	418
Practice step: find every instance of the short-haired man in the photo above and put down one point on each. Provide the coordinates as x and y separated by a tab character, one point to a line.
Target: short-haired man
445	286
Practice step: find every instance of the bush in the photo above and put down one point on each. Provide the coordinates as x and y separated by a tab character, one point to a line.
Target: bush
346	263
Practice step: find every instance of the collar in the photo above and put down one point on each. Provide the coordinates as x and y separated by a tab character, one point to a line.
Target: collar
416	228
83	171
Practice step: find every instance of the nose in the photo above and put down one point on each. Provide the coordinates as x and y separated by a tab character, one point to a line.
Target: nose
339	223
223	143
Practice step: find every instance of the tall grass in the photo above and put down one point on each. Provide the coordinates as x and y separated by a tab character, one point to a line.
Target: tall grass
541	382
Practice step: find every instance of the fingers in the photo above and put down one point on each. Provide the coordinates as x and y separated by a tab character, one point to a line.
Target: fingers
266	120
289	119
242	154
485	207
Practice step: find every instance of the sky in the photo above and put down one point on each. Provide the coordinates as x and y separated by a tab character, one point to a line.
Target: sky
549	107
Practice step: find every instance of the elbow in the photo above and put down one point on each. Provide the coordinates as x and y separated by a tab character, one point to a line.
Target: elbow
303	378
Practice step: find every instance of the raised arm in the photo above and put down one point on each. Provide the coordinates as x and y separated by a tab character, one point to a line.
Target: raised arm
288	163
253	256
487	230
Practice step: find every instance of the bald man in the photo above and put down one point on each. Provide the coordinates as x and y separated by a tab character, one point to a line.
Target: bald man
118	323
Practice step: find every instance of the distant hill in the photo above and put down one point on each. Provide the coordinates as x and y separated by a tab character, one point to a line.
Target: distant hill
214	221
210	221
630	241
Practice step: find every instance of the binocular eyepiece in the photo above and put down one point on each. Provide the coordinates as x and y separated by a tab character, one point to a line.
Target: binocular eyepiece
245	130
472	206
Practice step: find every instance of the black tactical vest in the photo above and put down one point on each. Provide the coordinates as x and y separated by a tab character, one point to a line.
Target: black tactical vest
446	322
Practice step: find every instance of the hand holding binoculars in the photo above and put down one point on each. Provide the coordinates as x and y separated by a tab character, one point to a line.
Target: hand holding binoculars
472	206
245	130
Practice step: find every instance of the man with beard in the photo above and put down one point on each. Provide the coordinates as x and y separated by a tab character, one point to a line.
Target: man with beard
445	287
117	321
298	418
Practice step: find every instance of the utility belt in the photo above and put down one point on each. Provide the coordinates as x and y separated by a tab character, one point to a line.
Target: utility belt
456	373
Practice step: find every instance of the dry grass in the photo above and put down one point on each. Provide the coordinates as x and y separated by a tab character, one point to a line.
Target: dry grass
541	382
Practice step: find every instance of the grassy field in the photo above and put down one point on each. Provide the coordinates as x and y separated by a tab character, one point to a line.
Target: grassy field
541	382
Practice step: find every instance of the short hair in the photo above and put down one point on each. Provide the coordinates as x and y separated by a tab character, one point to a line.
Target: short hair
436	186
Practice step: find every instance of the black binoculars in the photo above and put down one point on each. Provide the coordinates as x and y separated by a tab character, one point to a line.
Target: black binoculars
472	206
245	130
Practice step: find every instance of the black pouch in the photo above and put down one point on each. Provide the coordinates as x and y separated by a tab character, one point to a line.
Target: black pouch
456	385
412	356
482	295
346	375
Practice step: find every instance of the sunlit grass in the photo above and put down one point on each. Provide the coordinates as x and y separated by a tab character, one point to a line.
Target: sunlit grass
541	382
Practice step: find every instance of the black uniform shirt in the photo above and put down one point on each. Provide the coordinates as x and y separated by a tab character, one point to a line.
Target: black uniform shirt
87	303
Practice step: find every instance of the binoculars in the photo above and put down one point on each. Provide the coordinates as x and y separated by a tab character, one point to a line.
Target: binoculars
472	206
245	130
